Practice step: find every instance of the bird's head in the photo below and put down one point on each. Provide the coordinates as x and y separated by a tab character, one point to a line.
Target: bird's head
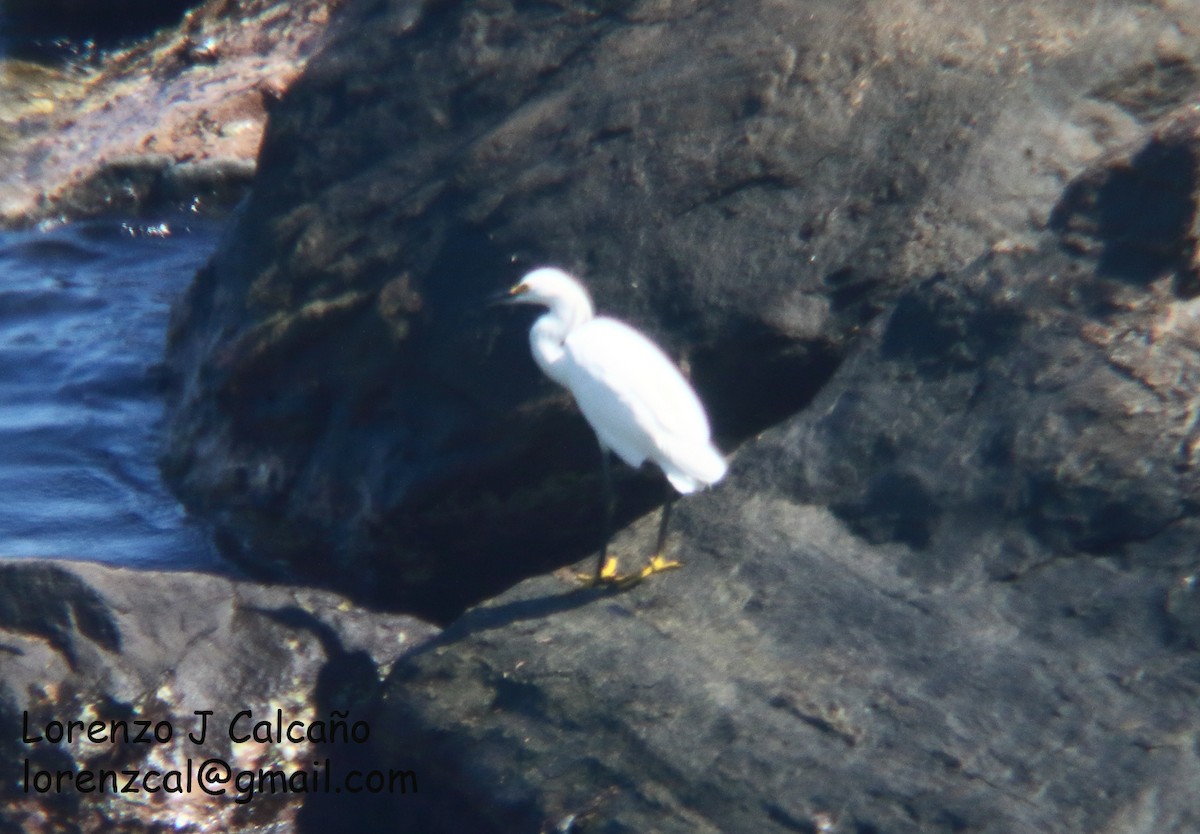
547	286
550	287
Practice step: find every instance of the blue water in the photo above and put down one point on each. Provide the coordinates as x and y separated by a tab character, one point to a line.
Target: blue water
83	317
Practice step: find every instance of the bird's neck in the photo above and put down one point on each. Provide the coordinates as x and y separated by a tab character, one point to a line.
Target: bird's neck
550	332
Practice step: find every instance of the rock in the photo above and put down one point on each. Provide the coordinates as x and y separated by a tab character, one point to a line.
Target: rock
167	123
1137	209
751	183
82	642
1053	388
793	677
957	593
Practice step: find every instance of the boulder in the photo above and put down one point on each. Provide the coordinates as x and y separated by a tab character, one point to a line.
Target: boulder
751	183
135	656
793	677
167	123
957	593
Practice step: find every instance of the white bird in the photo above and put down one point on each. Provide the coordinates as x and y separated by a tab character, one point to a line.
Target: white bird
634	397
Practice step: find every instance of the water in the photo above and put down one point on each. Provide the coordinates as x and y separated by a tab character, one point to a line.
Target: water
83	316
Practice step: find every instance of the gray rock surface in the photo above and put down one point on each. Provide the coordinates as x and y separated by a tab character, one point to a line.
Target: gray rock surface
750	182
957	593
792	677
83	642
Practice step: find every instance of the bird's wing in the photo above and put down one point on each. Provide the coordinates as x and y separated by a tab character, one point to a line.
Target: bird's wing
623	376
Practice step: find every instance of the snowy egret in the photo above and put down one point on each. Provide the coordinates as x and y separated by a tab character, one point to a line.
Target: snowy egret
634	397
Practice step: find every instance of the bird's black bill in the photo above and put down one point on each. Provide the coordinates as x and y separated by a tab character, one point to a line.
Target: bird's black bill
509	296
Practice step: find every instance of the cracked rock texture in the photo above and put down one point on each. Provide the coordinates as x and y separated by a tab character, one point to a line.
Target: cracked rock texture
752	183
82	642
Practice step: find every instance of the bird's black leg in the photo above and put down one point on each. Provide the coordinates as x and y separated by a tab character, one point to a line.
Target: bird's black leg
668	502
606	566
659	562
610	502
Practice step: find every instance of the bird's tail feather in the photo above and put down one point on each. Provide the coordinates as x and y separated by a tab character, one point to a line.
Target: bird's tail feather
695	468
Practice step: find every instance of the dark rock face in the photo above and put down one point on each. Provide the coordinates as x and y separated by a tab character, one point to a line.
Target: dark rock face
751	183
1138	209
1032	388
957	593
87	643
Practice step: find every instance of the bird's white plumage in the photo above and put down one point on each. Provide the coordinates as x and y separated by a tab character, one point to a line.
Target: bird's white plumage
634	397
639	404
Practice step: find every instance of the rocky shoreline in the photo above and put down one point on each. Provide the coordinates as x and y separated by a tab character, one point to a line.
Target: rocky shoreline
934	269
136	658
171	122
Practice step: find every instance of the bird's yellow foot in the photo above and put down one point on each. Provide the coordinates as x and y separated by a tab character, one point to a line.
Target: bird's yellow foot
610	578
606	576
609	571
658	564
